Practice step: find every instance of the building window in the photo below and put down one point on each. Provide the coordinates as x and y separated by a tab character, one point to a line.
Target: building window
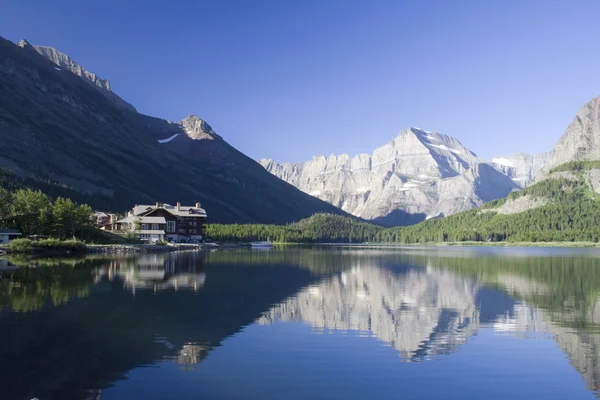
195	223
144	227
170	226
182	230
154	227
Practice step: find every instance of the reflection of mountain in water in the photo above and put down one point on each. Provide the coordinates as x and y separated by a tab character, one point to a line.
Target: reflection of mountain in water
422	306
561	295
417	311
422	312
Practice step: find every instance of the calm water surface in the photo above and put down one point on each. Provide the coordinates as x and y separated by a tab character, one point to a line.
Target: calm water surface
304	323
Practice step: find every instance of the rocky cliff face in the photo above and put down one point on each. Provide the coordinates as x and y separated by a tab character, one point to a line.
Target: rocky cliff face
59	122
63	61
581	140
416	176
522	168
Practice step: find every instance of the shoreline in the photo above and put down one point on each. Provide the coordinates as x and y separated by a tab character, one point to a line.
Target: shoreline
173	247
109	249
466	244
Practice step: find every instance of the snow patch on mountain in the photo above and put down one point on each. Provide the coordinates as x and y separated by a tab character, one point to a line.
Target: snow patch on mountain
167	140
503	161
444	147
521	167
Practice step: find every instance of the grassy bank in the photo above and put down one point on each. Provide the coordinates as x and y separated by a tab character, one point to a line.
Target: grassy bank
46	246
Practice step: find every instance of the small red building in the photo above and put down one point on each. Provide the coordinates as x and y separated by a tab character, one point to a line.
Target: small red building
165	222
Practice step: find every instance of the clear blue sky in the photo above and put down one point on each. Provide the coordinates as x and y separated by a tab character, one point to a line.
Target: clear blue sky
290	79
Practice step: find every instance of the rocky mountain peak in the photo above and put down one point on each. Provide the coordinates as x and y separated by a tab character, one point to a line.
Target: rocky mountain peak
197	129
24	43
416	175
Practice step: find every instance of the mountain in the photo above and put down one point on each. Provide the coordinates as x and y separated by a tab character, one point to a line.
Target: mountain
418	175
522	168
581	140
562	205
61	123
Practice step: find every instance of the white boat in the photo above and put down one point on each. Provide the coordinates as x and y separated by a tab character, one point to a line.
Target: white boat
261	245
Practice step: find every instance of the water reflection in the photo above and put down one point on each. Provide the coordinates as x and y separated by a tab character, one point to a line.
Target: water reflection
157	272
71	328
418	312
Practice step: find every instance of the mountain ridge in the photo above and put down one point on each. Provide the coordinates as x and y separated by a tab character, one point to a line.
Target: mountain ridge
411	178
62	60
57	126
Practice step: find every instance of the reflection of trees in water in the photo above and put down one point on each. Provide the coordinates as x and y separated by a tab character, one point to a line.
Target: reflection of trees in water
28	284
563	294
29	288
64	352
422	305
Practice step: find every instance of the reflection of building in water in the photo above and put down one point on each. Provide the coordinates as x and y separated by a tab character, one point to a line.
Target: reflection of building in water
419	314
191	354
158	271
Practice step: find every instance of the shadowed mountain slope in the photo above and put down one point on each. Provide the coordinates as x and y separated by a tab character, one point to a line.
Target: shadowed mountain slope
69	128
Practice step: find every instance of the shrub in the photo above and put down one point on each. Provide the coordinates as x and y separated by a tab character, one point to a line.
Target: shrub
20	245
72	244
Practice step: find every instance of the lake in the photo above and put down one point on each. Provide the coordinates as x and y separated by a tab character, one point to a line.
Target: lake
304	323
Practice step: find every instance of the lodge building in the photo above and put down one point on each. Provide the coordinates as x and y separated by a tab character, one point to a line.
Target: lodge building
165	222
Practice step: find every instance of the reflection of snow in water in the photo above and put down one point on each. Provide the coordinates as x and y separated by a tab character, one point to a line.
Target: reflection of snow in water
416	313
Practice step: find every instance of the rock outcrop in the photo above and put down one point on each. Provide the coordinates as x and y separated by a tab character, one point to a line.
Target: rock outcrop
63	61
416	176
522	168
197	129
581	140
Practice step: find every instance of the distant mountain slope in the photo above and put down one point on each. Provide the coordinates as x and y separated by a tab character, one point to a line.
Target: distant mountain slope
416	176
522	168
61	126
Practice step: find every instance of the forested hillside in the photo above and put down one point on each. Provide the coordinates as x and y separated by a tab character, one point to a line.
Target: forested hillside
564	207
320	228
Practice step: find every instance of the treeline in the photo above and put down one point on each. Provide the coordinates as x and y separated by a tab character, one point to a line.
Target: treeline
572	215
576	166
565	221
320	228
34	213
12	183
